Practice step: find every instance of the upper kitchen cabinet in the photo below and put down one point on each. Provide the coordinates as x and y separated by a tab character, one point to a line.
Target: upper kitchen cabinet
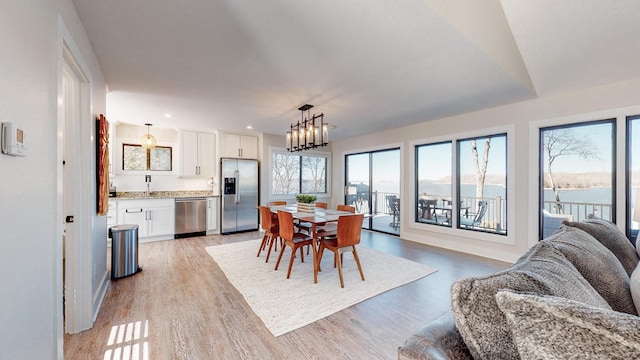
239	146
197	154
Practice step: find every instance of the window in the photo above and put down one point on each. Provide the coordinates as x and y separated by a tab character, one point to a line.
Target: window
135	157
633	180
578	176
479	202
482	184
434	186
293	173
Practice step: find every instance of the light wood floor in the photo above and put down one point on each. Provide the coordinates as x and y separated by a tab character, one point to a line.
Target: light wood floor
181	306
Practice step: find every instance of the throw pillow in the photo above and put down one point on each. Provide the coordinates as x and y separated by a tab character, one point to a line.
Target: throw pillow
598	266
634	284
547	327
612	238
542	270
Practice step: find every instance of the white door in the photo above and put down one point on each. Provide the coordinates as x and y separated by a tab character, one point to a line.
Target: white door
76	263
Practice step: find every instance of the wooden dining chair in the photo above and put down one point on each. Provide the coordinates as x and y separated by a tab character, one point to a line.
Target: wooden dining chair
292	239
322	205
348	208
276	203
271	231
348	236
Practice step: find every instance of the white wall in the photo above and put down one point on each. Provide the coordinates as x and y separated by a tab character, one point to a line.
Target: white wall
587	104
28	215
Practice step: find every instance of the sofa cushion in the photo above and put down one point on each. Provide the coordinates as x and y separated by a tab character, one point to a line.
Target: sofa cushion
612	238
547	327
634	285
597	265
542	270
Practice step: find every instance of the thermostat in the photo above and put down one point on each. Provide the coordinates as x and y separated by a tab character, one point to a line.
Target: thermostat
13	140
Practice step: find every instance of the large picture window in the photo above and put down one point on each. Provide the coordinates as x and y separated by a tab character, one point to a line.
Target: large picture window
295	173
482	184
479	202
578	174
434	183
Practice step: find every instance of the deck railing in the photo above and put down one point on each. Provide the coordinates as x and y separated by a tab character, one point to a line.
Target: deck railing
579	210
495	219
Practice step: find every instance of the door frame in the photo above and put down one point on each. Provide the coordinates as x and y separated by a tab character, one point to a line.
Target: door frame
370	153
75	312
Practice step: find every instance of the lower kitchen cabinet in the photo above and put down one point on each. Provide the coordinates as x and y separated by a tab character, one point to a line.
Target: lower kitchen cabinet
154	217
212	216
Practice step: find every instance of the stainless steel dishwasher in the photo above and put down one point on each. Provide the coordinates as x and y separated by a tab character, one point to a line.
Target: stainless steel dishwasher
191	217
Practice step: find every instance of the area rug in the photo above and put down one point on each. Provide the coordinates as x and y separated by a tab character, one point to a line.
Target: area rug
267	290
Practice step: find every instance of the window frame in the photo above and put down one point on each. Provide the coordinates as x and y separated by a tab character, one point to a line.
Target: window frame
326	155
506	182
509	238
614	154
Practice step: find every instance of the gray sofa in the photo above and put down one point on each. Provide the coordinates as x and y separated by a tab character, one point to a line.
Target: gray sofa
569	296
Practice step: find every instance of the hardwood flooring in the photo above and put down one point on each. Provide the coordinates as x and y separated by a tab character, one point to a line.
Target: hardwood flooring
181	306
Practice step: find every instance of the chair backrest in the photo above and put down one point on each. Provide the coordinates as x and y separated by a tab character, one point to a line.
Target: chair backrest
276	203
391	203
265	218
285	223
348	208
482	209
430	208
322	205
349	229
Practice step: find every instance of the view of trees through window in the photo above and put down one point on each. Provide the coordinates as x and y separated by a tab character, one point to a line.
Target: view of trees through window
481	184
577	173
294	173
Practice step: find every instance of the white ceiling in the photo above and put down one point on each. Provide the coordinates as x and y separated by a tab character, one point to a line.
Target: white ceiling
368	65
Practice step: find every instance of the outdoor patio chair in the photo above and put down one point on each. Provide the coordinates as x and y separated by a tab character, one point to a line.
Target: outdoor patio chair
474	219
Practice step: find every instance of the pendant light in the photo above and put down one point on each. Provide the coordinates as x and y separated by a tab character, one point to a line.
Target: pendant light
148	141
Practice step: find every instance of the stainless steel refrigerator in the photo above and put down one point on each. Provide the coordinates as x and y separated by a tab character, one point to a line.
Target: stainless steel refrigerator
239	205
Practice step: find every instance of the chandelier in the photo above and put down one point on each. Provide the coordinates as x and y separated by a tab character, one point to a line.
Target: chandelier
309	133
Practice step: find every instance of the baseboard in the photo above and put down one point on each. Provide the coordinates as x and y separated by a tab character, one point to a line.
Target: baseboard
98	297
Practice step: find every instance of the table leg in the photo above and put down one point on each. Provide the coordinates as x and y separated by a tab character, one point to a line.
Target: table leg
314	245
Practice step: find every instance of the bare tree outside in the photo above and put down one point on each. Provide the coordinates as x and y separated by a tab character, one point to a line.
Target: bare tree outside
563	142
481	169
314	169
285	173
293	174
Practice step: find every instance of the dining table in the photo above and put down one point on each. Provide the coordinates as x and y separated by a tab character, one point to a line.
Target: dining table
318	216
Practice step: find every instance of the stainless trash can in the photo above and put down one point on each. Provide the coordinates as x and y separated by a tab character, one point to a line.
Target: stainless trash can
124	250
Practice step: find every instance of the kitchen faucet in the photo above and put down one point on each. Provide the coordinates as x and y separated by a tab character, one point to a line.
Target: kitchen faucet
147	179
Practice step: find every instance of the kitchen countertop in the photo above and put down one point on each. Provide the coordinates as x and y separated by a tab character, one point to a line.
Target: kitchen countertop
131	195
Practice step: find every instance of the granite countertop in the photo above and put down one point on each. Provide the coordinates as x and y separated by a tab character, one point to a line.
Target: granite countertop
129	195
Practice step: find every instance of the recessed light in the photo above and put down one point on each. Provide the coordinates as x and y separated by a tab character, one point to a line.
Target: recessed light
168	116
249	127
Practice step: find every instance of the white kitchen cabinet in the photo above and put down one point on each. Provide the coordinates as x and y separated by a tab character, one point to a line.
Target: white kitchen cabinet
112	213
240	146
212	215
154	217
197	154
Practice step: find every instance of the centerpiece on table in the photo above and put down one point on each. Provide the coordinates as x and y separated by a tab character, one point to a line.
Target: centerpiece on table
306	203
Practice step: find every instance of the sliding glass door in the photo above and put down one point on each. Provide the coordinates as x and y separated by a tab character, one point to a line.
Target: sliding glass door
373	187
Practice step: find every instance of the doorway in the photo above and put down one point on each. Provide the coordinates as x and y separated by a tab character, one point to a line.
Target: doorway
372	183
74	111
